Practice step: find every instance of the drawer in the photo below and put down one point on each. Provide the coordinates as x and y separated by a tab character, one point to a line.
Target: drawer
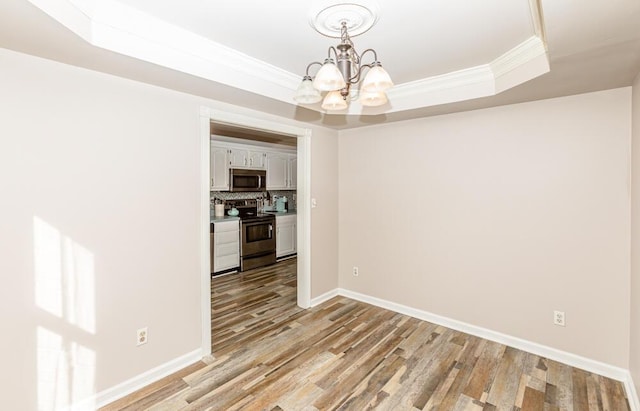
224	226
286	219
227	237
226	249
226	262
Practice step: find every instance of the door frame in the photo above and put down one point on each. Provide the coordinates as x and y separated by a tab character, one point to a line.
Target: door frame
303	188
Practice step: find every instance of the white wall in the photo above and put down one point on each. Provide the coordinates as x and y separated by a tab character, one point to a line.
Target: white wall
497	217
324	223
634	360
100	227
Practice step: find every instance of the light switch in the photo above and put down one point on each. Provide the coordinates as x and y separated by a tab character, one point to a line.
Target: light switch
314	203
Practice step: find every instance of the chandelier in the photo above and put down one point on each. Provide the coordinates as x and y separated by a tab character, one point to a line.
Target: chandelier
339	78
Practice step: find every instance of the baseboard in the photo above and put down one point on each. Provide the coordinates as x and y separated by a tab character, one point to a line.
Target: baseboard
127	387
324	297
573	360
632	394
286	257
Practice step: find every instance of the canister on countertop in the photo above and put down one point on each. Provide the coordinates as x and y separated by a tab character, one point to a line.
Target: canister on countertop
218	210
281	203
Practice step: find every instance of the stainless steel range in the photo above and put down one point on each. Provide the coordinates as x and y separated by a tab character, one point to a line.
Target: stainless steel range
257	234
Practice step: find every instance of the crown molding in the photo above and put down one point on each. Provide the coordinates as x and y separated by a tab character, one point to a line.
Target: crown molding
520	64
518	56
114	26
524	62
537	18
117	27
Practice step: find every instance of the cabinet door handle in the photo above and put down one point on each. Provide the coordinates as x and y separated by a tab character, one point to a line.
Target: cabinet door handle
212	182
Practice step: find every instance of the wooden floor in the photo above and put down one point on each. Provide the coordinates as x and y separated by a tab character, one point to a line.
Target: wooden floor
268	354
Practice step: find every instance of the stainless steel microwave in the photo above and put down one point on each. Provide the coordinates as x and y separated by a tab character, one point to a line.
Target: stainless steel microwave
241	179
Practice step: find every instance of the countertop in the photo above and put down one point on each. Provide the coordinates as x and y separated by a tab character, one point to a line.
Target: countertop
281	213
232	218
225	218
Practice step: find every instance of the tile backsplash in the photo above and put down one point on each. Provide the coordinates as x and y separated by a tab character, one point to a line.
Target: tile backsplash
221	195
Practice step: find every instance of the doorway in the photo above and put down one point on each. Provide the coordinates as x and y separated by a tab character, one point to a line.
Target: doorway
303	137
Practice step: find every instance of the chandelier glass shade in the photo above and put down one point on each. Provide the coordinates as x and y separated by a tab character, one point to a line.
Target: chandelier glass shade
334	101
376	80
337	77
329	77
306	93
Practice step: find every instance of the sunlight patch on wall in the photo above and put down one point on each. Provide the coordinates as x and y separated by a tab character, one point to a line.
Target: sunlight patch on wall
66	373
79	295
65	289
48	267
65	279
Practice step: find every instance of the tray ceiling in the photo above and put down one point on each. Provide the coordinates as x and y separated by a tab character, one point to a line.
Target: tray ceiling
443	55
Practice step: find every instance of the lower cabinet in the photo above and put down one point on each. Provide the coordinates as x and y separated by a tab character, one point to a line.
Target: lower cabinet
226	245
286	235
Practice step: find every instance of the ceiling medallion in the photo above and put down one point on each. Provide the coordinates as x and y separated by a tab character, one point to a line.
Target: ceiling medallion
358	19
343	79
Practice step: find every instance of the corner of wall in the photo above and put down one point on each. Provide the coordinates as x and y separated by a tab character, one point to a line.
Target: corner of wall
634	287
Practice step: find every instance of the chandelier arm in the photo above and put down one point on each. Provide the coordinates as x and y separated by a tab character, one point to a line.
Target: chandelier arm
310	65
335	52
360	67
375	55
356	78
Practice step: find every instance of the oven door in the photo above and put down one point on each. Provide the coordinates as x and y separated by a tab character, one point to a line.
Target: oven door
258	236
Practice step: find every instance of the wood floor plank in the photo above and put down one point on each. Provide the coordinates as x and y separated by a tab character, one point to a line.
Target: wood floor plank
533	400
367	391
465	363
268	354
153	389
580	390
484	372
505	386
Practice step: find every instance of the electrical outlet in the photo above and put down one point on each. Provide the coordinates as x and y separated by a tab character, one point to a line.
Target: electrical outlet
143	336
355	271
558	318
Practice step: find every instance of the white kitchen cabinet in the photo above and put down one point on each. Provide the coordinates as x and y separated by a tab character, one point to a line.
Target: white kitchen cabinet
226	247
281	171
219	169
242	158
293	172
257	159
277	171
286	235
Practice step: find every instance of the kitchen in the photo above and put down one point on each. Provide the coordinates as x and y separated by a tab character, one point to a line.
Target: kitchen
253	178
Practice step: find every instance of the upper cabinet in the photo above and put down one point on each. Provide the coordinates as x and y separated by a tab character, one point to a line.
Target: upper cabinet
293	171
281	164
281	171
219	168
243	158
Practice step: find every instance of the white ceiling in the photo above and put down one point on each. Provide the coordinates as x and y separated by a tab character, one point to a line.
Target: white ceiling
281	35
441	54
